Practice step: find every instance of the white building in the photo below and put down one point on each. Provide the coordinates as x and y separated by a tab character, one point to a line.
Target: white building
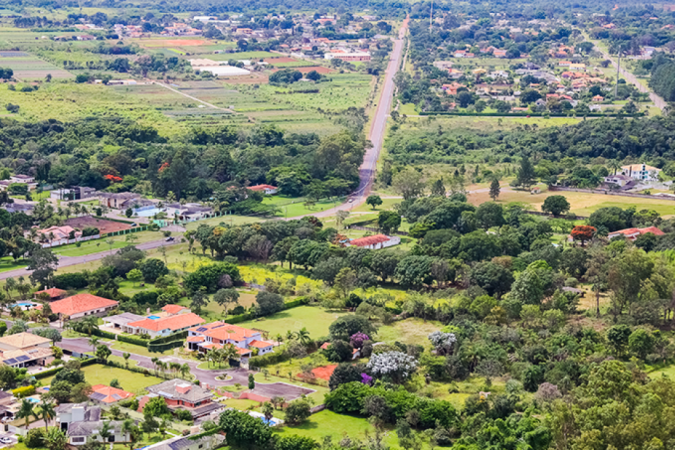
218	334
641	172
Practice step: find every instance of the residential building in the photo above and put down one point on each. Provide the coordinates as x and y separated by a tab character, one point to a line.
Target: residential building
443	65
120	200
348	56
156	326
211	442
24	179
25	350
641	172
633	233
175	309
181	394
264	188
82	305
120	321
83	423
107	394
451	89
218	334
53	293
598	98
53	236
618	179
375	242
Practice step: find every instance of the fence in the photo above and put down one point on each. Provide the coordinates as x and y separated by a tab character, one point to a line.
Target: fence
610	192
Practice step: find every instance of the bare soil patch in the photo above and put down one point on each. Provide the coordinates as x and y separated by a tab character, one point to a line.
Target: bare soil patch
105	226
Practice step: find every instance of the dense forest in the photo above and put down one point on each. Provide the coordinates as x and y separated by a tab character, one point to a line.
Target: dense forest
119	155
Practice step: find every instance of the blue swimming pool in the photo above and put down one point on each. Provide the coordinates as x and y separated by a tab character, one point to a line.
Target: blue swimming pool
33	400
153	317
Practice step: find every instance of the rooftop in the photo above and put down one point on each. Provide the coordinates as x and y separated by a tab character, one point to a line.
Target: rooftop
173	309
52	292
180	390
225	331
177	322
81	303
23	340
108	394
369	240
124	318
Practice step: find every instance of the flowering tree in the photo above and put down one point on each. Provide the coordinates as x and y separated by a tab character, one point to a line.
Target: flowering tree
583	233
442	342
366	379
393	366
358	339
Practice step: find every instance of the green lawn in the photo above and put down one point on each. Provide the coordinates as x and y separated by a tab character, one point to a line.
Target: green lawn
8	263
409	331
315	319
129	381
100	245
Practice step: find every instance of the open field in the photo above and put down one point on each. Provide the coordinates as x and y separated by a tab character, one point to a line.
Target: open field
105	226
409	331
29	67
100	245
582	203
101	374
315	319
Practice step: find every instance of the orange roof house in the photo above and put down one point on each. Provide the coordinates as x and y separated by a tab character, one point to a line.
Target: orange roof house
174	309
375	242
633	233
219	334
108	394
265	188
164	326
54	293
81	305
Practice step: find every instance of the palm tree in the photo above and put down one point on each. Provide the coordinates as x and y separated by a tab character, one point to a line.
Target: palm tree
10	284
47	412
290	335
184	369
303	336
210	356
126	356
93	341
104	432
25	411
155	360
175	367
614	165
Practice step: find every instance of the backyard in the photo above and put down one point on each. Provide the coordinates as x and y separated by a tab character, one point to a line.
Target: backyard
101	374
315	319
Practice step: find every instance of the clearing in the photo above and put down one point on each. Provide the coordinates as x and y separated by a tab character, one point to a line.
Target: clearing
101	374
314	318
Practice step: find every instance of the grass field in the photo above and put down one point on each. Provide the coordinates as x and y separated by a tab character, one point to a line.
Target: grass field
315	319
129	381
100	245
409	331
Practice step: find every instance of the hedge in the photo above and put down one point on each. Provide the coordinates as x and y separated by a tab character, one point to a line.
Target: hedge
165	346
23	391
132	340
169	338
300	301
55	370
278	356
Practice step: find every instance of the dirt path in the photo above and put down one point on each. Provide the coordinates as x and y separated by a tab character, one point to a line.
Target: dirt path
210	105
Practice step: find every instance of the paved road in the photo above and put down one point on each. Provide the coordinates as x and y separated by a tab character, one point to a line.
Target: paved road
658	101
288	391
376	134
65	261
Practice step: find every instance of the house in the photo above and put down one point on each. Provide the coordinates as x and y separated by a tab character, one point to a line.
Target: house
564	63
598	98
156	326
264	188
181	394
633	233
24	179
83	423
211	442
54	236
618	179
218	334
25	349
641	172
175	309
86	37
375	242
120	321
443	65
82	305
107	394
53	293
451	89
119	200
455	73
499	53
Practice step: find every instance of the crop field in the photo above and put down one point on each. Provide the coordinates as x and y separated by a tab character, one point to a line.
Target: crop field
30	68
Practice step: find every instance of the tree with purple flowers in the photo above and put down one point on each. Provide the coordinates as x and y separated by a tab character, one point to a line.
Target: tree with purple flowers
366	379
358	339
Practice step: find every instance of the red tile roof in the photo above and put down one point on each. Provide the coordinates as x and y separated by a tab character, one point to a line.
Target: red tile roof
173	309
632	231
172	322
259	344
81	303
261	187
224	331
111	394
53	292
243	351
369	240
196	338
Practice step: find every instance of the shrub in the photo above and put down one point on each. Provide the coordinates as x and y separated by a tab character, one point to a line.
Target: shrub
297	412
23	391
35	438
208	276
76	280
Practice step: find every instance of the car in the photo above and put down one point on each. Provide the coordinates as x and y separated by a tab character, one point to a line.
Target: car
5	440
170	239
351	200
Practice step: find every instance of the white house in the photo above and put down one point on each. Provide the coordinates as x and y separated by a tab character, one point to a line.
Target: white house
641	172
218	334
82	423
618	179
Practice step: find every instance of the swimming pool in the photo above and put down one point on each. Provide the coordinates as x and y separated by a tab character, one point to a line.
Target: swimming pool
153	317
149	211
33	400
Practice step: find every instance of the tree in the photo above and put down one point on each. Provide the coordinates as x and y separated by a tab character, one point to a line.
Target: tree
199	300
490	214
393	366
298	411
25	411
224	297
43	264
641	342
55	439
443	342
583	233
268	303
49	333
556	205
388	221
295	442
153	268
103	353
243	430
346	373
347	325
345	280
526	176
495	189
129	212
408	183
492	277
374	201
438	188
617	337
251	381
134	275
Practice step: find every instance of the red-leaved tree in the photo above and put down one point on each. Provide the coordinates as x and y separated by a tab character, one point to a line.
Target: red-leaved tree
583	233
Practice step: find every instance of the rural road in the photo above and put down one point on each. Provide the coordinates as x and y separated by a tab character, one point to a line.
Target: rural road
376	134
658	101
191	97
65	261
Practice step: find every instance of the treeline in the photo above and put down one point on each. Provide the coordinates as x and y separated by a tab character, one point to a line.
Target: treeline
663	77
205	163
